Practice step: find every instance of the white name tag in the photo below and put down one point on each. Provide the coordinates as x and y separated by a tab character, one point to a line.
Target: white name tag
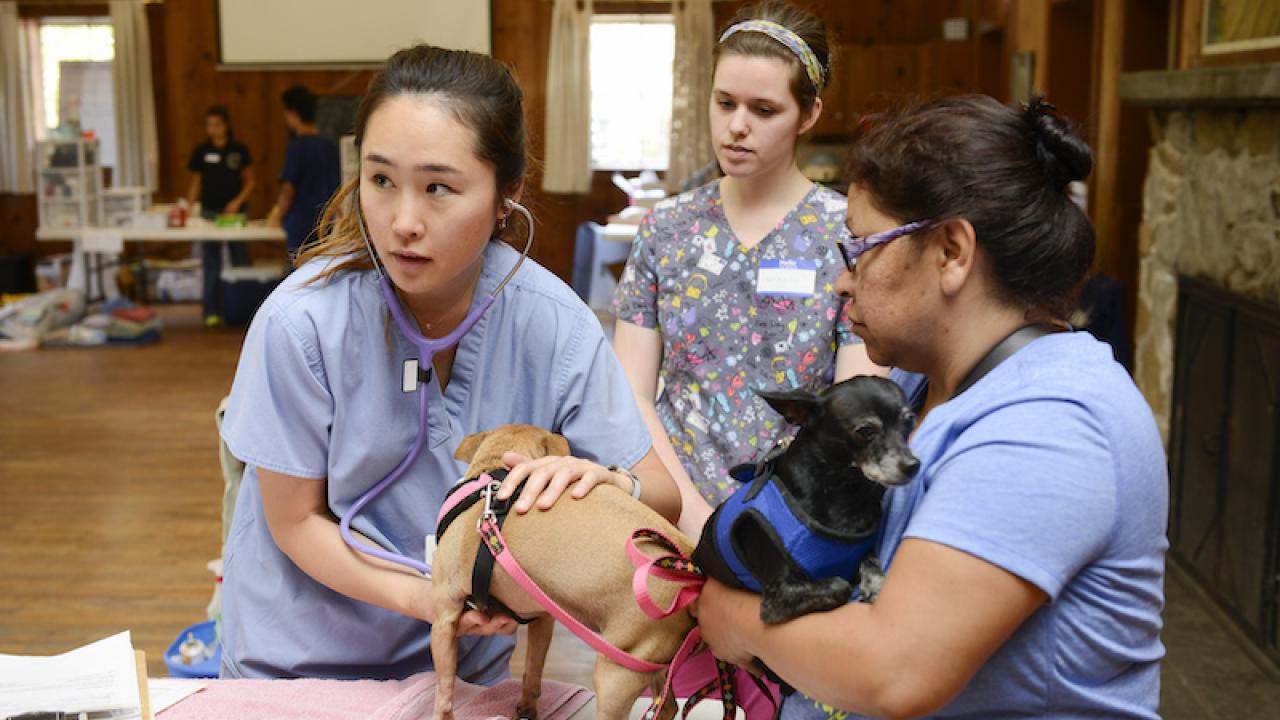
796	278
712	263
409	381
212	158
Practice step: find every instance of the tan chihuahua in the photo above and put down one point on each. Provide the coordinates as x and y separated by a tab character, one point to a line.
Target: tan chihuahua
576	553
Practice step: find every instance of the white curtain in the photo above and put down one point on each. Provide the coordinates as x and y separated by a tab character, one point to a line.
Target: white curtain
691	149
568	163
17	100
137	149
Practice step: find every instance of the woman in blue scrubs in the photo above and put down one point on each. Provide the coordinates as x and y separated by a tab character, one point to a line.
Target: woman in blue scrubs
317	410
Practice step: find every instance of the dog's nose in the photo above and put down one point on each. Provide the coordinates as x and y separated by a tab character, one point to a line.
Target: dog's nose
909	467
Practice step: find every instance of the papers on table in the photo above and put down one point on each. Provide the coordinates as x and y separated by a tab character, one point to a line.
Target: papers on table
101	676
168	691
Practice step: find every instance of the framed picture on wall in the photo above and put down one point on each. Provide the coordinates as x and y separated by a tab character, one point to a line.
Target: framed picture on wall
1240	25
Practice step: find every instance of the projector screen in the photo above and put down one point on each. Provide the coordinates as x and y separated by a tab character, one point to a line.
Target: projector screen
340	32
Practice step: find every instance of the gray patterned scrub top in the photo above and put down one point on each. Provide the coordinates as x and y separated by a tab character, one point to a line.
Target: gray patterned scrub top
733	319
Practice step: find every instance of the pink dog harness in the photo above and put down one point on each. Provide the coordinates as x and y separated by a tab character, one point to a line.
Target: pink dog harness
483	489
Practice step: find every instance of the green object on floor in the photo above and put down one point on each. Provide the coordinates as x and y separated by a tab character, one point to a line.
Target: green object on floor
213	321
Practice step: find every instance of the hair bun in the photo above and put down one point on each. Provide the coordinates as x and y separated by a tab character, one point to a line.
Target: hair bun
1064	156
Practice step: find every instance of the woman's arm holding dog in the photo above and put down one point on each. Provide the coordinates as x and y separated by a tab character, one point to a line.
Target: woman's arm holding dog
639	350
547	478
301	525
940	615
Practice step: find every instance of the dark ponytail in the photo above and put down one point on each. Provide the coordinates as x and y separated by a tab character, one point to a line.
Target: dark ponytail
1064	156
1004	171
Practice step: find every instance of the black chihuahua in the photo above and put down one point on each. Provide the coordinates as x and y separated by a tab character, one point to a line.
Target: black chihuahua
799	531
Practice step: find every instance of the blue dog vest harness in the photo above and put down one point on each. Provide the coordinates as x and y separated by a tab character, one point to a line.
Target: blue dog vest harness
816	550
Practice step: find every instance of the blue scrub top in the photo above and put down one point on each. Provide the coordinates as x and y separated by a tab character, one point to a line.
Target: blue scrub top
317	394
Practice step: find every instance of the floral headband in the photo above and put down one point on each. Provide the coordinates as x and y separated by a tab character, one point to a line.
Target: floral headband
792	41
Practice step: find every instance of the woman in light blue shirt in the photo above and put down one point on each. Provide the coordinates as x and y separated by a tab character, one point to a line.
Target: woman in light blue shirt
317	410
1025	561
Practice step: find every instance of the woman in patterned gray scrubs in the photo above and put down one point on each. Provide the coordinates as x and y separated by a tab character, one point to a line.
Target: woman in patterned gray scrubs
729	287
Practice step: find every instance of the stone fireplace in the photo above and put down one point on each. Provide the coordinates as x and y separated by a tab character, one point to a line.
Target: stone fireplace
1207	337
1211	207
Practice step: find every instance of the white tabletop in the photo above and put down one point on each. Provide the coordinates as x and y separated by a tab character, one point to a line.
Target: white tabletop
621	232
195	230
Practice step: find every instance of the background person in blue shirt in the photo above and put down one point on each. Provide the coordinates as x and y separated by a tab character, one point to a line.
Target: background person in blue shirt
317	410
311	171
1025	561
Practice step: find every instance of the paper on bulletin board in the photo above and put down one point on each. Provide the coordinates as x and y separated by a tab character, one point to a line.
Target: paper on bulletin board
102	241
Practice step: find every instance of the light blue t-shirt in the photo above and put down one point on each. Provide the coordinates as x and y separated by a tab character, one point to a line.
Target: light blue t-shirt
1050	467
317	394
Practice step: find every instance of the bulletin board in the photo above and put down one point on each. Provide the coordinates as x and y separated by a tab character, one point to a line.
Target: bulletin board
340	33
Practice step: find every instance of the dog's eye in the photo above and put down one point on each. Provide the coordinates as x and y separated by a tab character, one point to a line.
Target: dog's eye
865	433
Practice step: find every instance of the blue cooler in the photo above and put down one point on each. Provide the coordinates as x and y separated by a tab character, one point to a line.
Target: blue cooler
244	289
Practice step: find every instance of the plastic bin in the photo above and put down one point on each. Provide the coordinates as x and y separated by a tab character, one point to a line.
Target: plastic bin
244	289
206	669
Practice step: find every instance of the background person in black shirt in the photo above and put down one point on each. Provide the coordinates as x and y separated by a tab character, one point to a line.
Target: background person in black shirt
222	182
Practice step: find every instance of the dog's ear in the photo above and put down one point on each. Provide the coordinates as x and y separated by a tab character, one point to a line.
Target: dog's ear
467	448
554	444
798	406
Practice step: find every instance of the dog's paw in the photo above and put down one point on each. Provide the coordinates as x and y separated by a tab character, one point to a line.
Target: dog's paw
791	600
870	578
772	613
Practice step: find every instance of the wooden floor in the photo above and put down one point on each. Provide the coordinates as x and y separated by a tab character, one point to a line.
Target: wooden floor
110	506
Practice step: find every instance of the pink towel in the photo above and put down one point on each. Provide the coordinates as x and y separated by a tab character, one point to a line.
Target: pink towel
409	699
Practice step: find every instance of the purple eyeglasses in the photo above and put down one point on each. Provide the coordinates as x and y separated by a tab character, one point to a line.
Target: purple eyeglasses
853	247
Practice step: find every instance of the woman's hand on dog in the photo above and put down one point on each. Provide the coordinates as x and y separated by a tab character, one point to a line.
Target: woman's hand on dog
471	622
548	478
474	622
729	619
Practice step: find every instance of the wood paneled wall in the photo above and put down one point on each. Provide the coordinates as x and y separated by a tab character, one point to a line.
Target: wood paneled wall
18	223
187	81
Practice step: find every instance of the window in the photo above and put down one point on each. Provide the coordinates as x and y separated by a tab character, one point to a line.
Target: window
631	58
75	71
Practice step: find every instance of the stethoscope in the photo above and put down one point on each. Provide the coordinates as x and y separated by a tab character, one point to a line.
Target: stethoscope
428	347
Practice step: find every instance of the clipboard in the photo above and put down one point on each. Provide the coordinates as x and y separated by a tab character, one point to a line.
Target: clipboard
144	693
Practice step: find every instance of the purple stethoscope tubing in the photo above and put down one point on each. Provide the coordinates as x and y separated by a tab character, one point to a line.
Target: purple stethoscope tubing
428	347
